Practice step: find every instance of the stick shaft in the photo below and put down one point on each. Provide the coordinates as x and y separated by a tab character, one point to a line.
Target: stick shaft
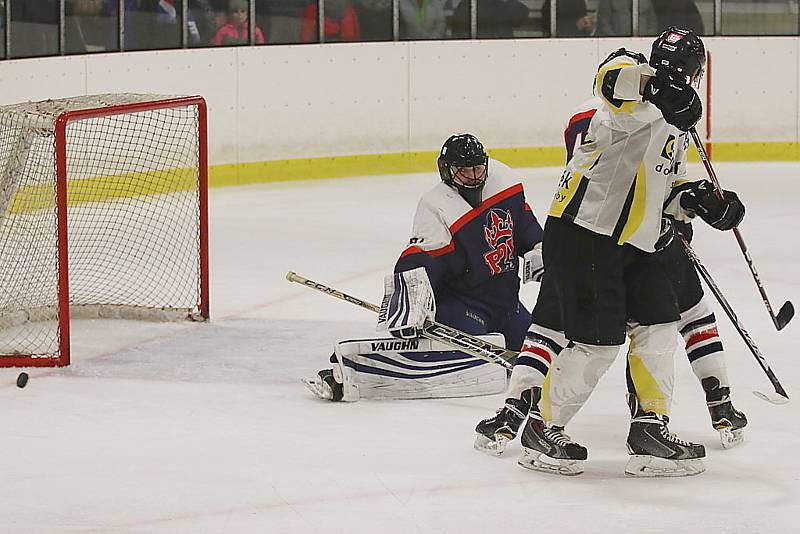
739	239
294	277
447	335
734	319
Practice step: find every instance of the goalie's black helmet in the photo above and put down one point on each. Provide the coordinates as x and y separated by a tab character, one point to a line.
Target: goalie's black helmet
681	52
463	164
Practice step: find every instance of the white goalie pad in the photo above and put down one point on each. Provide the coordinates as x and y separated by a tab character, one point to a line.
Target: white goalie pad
391	368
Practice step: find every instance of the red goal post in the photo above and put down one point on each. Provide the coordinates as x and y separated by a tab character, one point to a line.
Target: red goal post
103	214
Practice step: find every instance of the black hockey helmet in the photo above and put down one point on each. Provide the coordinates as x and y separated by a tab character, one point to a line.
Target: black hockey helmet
681	52
463	164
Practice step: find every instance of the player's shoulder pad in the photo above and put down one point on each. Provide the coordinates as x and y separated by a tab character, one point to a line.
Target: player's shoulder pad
587	108
438	208
618	80
501	178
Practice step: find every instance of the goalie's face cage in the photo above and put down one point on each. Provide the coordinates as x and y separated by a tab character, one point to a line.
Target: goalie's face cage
469	177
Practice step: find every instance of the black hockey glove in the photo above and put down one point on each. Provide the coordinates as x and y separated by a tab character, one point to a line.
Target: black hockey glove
722	213
667	234
678	102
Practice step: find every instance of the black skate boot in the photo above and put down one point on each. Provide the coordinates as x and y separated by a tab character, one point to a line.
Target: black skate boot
548	448
725	419
325	386
495	432
655	451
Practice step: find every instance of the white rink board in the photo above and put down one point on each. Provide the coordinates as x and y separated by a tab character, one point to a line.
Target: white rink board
283	102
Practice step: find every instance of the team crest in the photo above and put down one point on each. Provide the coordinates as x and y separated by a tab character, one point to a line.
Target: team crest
499	233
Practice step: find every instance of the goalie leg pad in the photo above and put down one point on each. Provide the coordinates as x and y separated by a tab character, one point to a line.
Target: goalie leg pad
389	368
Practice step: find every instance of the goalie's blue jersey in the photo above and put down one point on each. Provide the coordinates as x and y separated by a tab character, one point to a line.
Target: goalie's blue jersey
472	254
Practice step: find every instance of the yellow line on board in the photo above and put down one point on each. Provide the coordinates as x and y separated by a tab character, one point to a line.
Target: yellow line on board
365	165
402	163
31	198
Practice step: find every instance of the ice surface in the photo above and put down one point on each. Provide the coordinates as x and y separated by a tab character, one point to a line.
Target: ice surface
205	428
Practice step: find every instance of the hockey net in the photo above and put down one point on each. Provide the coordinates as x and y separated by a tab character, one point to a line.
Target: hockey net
103	214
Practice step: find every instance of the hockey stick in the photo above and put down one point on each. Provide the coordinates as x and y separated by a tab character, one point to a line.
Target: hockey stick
786	312
782	397
432	330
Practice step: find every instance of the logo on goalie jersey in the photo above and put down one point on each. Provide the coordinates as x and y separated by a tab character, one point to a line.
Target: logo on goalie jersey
499	233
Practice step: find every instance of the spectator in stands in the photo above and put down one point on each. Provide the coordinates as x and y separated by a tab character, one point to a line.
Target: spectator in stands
237	30
615	18
422	19
168	15
572	19
210	15
497	19
375	19
680	13
341	22
153	24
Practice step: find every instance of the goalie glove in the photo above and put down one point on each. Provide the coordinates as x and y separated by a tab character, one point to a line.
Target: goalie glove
532	265
721	213
408	301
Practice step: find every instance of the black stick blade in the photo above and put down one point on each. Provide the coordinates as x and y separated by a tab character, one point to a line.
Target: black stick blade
784	315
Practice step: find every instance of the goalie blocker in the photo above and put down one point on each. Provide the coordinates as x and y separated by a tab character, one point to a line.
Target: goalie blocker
391	368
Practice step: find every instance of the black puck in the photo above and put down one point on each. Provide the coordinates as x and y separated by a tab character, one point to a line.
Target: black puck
22	380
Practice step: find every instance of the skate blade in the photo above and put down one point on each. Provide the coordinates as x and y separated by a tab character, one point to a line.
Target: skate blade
537	461
492	447
730	438
640	465
318	388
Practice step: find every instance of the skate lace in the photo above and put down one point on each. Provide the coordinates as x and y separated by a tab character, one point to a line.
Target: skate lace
669	436
724	400
557	436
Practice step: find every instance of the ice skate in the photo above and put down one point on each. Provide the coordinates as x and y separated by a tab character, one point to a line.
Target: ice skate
496	432
725	419
548	448
325	386
656	452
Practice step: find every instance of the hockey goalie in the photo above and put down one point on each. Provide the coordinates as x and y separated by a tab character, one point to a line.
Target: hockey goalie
461	268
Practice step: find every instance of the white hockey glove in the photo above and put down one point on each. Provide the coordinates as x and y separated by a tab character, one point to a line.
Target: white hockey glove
532	265
407	302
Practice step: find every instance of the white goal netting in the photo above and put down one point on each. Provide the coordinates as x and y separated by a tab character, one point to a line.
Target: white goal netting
132	172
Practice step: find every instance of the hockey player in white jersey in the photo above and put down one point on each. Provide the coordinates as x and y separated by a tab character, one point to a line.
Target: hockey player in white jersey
602	278
697	324
461	268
